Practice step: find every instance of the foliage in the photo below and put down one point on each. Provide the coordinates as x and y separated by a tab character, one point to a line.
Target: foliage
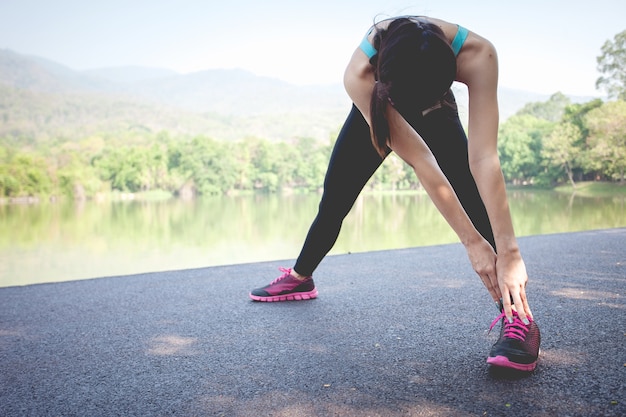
520	147
543	144
607	138
575	114
560	147
612	64
551	110
139	163
588	143
23	174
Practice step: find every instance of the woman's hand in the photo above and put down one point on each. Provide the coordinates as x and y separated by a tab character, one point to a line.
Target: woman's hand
477	67
512	279
483	259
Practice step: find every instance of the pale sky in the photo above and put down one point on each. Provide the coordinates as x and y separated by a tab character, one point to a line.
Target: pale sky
543	46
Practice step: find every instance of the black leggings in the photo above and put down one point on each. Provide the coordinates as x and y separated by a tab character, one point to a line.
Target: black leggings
354	160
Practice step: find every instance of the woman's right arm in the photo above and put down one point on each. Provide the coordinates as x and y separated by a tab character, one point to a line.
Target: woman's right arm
359	81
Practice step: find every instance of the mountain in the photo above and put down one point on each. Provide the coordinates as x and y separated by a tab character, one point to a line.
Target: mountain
237	92
40	75
41	99
129	74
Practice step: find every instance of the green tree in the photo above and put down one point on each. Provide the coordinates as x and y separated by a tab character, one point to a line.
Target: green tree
575	114
244	170
560	147
309	163
607	137
612	64
77	179
209	164
284	157
393	175
551	110
519	146
25	175
265	165
121	166
155	171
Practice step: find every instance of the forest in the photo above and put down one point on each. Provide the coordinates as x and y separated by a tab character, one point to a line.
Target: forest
544	144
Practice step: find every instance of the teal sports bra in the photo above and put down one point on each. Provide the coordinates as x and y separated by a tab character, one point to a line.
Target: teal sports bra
459	39
456	45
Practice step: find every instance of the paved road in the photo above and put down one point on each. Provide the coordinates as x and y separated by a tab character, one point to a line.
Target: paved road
393	333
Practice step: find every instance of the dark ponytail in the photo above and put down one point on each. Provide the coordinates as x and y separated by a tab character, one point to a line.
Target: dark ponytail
378	111
414	67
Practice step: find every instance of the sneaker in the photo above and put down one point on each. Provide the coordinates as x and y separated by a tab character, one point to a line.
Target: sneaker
518	344
286	288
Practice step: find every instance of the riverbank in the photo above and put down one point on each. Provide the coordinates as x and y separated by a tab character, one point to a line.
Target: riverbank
583	189
191	343
594	189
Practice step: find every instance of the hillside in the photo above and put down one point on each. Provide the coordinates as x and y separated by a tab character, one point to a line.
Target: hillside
41	100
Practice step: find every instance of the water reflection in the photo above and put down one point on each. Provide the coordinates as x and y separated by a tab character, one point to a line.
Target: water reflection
59	242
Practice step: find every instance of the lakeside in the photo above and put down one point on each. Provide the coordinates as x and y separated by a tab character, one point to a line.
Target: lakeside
594	189
67	240
583	188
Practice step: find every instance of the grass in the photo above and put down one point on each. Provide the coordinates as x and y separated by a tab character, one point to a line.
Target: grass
594	189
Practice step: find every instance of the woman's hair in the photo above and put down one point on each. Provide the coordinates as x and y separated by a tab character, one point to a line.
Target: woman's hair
414	67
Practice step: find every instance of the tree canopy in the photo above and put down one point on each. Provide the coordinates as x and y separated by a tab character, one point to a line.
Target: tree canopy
612	64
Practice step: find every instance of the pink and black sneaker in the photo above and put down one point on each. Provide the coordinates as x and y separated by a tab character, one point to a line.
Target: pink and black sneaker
518	344
286	288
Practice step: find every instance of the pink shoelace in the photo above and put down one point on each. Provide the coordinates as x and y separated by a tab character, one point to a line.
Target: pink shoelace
516	330
286	273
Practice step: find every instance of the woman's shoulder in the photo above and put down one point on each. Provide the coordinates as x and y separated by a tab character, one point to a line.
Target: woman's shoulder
474	46
477	61
449	29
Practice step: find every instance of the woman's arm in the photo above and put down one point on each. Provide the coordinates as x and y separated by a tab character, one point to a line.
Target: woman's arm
478	69
358	80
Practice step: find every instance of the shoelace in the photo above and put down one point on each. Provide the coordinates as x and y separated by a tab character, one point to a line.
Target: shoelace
286	273
516	330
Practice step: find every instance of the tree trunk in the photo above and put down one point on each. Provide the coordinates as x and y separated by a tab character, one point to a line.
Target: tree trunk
570	175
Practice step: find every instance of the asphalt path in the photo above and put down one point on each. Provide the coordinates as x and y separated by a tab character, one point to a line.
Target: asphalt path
393	333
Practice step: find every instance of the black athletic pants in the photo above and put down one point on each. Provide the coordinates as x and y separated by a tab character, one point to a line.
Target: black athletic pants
354	160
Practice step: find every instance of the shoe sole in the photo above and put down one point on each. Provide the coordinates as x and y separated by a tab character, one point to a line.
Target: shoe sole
504	362
299	296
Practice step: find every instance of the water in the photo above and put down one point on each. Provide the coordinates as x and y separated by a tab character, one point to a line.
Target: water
70	241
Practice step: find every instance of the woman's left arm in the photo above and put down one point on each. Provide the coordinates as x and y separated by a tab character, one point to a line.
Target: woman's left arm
478	69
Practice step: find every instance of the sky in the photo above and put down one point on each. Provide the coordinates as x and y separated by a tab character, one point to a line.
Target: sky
543	46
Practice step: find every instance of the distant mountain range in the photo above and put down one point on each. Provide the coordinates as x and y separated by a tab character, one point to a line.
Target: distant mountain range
41	99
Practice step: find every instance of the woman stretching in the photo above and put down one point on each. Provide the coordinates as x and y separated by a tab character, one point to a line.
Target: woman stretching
399	81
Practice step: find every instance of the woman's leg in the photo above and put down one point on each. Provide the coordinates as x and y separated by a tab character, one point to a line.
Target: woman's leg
352	163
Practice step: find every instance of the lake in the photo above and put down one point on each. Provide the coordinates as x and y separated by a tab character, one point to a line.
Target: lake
70	241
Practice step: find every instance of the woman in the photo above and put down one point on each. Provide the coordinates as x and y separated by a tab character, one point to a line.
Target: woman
399	81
